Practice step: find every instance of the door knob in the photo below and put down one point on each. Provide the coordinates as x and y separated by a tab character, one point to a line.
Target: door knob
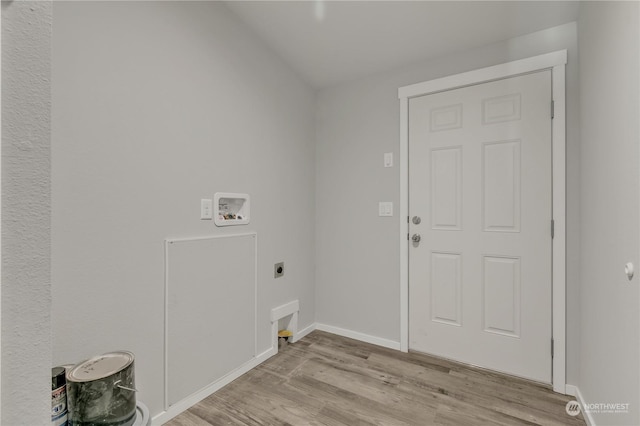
416	220
415	238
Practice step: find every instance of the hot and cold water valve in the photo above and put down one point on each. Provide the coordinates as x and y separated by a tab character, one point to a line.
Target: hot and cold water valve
231	209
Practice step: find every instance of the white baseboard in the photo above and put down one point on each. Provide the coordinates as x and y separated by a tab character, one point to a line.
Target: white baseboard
575	391
301	333
183	405
359	336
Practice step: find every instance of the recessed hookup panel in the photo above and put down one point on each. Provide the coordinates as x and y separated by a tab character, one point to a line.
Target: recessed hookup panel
231	209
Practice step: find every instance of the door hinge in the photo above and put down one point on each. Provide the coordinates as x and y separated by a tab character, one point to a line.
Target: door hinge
407	219
553	109
552	348
553	228
407	237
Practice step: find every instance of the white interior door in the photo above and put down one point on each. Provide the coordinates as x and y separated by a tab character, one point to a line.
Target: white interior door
480	182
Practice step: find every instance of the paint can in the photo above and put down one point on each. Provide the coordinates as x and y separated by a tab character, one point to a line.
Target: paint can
101	391
58	397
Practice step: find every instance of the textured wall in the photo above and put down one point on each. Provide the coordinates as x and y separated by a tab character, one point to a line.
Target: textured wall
358	255
156	105
26	196
609	42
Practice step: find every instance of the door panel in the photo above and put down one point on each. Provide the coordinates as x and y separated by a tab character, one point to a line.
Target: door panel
446	288
501	292
480	178
446	188
501	186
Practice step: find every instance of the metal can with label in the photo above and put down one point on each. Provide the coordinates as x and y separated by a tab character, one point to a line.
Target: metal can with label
102	391
58	397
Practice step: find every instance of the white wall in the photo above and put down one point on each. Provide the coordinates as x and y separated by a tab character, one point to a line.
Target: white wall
609	72
156	105
358	268
26	202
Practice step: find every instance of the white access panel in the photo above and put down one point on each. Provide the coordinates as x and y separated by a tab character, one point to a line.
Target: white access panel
210	325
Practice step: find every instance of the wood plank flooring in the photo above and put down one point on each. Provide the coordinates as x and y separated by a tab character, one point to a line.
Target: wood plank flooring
326	379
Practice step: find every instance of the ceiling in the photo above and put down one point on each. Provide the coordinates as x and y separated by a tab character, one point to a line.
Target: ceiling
329	42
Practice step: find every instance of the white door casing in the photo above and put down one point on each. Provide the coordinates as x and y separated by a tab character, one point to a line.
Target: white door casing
480	179
0	206
555	62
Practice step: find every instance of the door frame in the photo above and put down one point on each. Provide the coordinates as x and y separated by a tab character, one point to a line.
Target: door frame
0	203
556	62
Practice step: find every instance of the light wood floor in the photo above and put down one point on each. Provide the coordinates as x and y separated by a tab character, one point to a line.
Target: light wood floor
325	379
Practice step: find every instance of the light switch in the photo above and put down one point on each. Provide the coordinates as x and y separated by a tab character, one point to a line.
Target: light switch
385	208
388	159
206	209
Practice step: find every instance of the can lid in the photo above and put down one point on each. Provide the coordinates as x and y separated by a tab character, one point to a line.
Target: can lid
57	377
100	367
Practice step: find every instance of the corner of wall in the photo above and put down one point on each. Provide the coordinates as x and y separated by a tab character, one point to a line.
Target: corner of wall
26	202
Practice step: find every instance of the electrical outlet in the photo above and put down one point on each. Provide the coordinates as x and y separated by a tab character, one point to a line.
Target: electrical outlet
278	270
